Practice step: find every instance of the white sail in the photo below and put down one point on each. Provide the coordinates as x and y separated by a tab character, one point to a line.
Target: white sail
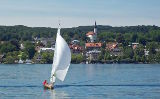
61	60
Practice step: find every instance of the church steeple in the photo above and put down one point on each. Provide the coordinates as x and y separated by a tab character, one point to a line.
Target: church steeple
95	31
95	26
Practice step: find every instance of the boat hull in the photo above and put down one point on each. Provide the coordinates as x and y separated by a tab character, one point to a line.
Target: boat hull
48	87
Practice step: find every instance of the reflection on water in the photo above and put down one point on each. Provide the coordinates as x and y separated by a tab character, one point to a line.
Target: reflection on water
120	81
58	94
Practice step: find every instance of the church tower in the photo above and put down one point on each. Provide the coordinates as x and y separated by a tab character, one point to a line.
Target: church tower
95	28
95	31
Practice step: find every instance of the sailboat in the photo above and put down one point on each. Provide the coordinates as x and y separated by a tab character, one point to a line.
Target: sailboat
61	60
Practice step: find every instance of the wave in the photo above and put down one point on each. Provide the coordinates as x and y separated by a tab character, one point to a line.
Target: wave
88	85
118	85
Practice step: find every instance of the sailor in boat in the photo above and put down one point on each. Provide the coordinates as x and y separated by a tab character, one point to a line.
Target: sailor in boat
49	85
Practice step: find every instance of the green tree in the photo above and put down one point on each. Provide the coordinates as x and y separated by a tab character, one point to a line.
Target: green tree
77	58
47	57
30	49
120	38
128	52
9	60
7	47
152	46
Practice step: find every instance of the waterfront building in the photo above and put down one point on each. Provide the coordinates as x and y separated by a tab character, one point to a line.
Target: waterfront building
92	51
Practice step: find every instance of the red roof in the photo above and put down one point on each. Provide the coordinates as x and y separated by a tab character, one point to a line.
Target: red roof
93	44
75	47
134	46
111	45
90	33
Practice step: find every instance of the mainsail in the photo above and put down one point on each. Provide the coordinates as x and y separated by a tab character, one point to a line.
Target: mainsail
61	60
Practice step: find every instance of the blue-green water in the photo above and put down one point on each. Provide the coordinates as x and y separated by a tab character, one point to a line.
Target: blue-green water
112	81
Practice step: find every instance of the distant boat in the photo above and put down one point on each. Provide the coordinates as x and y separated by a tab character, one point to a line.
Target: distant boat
86	62
20	61
28	61
61	60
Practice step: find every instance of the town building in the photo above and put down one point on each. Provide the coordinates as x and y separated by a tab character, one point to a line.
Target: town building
92	51
114	49
76	49
146	52
45	41
46	49
38	58
92	35
22	46
75	42
135	45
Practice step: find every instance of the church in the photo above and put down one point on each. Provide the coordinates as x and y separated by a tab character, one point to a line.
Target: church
92	35
92	47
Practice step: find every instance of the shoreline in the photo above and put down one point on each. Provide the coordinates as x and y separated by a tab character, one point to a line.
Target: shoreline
84	63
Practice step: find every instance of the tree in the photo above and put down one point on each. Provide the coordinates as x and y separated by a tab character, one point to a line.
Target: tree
120	38
7	47
152	46
9	60
24	56
47	57
30	49
107	55
134	37
77	58
157	57
142	40
128	52
139	50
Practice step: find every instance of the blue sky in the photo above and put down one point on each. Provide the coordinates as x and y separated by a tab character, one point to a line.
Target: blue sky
46	13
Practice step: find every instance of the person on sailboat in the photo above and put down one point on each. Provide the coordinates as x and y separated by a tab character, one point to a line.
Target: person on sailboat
51	85
46	85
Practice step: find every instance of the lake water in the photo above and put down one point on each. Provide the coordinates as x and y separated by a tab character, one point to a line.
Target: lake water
110	81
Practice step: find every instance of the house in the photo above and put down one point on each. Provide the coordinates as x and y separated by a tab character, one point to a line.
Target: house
92	51
93	46
92	34
41	48
135	45
114	49
38	58
45	41
22	46
37	48
111	46
157	49
46	49
146	52
92	55
76	49
75	42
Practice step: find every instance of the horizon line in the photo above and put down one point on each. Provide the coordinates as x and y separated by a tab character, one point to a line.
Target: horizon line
79	26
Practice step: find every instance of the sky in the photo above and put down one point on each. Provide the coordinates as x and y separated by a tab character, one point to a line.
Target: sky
73	13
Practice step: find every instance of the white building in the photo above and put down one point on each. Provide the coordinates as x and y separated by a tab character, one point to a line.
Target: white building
46	49
92	34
